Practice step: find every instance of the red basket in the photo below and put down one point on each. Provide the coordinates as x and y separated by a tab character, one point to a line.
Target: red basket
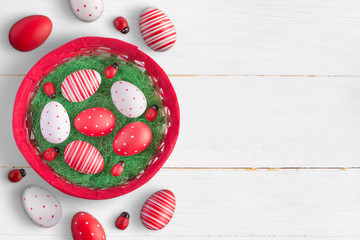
83	47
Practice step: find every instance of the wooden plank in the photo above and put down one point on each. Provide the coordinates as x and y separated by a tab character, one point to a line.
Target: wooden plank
214	203
247	122
214	37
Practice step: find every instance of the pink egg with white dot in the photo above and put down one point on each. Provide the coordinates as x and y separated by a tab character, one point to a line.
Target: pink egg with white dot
41	206
128	99
87	10
54	123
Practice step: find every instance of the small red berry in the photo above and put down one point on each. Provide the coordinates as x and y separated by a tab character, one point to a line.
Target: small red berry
122	25
111	70
151	113
50	90
122	221
118	168
51	153
16	175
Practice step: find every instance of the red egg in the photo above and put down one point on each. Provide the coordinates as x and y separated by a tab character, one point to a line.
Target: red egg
151	113
122	222
85	227
30	32
16	175
117	168
158	210
132	139
51	153
95	122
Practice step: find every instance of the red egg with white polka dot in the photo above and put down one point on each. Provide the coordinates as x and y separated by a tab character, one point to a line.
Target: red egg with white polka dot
54	123
87	10
132	139
41	206
95	122
85	227
128	99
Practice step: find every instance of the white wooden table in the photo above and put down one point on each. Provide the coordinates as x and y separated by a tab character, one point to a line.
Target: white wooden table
269	92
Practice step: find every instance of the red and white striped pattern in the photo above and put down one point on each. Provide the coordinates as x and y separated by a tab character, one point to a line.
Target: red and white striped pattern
158	210
80	85
157	29
83	157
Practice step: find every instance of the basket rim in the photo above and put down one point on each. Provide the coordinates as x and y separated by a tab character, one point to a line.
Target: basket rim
43	67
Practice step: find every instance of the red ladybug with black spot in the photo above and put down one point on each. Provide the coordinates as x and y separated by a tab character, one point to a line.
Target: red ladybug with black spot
111	70
51	153
151	113
118	168
122	25
50	90
122	222
16	175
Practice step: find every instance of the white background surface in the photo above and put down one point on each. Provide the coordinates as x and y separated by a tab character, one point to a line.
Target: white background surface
269	93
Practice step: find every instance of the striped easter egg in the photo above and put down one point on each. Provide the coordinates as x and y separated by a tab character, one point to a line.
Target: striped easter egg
83	157
157	29
80	85
158	210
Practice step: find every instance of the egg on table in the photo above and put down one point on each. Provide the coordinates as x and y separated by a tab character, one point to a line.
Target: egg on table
30	32
84	226
54	123
95	122
83	157
41	206
158	210
80	85
128	99
87	10
132	139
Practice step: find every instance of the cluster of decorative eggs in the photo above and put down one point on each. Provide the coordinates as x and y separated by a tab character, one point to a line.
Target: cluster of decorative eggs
95	122
45	210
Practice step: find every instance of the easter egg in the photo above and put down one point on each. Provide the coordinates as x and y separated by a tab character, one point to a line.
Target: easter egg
87	10
157	29
85	227
80	85
41	206
132	139
54	123
83	157
128	99
30	32
158	210
95	122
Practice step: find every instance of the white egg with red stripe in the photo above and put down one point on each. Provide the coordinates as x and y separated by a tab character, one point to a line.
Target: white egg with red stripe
157	29
54	123
41	206
83	157
80	85
128	99
158	210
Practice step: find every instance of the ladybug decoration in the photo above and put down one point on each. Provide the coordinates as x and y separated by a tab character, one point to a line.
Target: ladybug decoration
51	153
118	168
16	175
50	90
111	70
122	25
122	221
151	113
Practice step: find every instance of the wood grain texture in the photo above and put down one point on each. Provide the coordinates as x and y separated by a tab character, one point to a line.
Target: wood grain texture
214	37
248	122
214	203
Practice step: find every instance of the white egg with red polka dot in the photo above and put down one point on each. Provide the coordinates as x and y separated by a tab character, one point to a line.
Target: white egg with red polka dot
54	123
87	10
128	99
41	206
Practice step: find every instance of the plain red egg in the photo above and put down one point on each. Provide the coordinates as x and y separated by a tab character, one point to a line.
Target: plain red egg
30	32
